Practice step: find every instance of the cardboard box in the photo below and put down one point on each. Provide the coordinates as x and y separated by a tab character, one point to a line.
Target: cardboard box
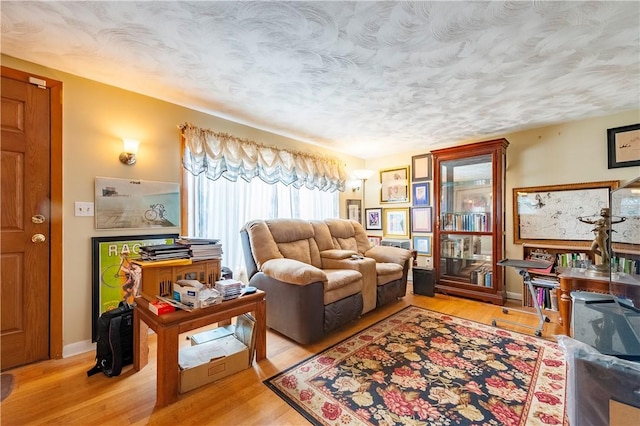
187	295
159	307
217	358
211	361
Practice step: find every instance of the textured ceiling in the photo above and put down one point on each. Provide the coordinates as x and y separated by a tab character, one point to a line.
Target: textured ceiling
364	78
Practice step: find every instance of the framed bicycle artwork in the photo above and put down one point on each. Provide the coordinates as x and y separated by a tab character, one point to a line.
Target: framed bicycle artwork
114	276
130	203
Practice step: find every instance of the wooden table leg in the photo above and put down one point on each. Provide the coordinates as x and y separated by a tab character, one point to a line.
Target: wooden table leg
261	330
564	306
141	342
168	375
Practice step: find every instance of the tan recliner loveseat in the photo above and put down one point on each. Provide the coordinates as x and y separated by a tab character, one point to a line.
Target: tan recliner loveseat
319	275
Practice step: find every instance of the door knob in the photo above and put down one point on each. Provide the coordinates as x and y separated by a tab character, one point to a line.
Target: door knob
38	238
37	218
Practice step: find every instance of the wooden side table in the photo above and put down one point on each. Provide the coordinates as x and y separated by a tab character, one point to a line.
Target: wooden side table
168	327
575	279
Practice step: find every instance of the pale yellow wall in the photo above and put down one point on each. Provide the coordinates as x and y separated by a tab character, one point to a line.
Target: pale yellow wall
95	119
573	152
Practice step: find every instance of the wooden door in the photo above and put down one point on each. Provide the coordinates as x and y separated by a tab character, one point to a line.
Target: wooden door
26	223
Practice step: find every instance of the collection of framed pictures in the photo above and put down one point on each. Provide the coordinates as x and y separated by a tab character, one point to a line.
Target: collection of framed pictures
397	185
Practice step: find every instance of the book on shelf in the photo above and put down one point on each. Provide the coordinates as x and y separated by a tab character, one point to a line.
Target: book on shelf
547	298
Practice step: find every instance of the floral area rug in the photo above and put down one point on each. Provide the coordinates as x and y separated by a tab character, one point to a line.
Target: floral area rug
419	367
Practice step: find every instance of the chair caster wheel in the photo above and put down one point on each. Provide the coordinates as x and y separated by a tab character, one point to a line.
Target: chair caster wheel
505	311
547	319
493	323
539	333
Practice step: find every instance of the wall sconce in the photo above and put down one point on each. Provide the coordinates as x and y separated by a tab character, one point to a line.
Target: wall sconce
355	184
128	156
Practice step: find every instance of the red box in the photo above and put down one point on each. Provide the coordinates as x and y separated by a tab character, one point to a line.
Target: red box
159	307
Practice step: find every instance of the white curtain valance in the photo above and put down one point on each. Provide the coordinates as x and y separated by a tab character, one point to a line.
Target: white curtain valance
222	155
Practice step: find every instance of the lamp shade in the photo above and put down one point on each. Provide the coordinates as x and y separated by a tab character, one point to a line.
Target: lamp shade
362	174
130	146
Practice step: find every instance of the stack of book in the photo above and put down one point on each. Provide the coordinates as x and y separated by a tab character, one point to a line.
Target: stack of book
165	252
202	248
230	288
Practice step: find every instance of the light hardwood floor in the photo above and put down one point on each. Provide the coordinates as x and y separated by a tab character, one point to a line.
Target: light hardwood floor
59	391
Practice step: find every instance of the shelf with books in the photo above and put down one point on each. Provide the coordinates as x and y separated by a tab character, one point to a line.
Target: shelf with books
545	281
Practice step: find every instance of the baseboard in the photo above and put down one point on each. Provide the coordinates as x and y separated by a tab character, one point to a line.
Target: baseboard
78	348
82	347
514	296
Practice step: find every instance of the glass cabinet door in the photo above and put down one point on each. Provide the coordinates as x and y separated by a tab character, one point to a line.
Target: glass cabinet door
466	215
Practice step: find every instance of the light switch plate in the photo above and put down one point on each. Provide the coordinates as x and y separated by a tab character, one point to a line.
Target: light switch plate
83	208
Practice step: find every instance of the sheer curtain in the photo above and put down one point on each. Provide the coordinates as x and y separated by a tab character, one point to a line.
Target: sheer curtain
219	208
289	184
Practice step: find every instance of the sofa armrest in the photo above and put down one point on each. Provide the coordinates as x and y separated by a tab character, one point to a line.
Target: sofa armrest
293	271
388	254
337	254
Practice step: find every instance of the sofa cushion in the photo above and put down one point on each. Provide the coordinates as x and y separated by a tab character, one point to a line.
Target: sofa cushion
263	246
293	272
341	283
337	254
348	235
388	254
295	240
388	272
322	235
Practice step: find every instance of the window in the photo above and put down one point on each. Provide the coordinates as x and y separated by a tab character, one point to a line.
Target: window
220	208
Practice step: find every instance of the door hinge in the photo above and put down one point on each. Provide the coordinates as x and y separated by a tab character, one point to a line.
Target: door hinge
42	84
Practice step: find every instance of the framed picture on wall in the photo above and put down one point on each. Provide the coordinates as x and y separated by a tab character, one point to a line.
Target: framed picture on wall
422	245
421	195
374	240
373	219
354	210
394	185
550	213
421	219
624	146
421	167
133	203
395	222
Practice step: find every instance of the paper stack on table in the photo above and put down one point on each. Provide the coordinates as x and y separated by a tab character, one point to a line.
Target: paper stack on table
229	288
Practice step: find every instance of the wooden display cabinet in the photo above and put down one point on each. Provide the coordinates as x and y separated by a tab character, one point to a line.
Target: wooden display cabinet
158	277
469	233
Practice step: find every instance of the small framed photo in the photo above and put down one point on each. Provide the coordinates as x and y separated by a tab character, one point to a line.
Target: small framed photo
374	240
421	219
422	245
373	219
395	222
624	146
354	211
421	196
394	185
421	167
